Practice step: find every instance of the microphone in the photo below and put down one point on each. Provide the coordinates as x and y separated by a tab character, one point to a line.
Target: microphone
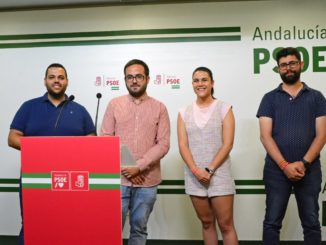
70	98
98	96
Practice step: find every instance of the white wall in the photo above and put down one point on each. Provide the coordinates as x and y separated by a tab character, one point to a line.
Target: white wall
232	63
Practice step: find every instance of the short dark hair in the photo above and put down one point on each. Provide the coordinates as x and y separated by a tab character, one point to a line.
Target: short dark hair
210	74
56	65
287	51
137	62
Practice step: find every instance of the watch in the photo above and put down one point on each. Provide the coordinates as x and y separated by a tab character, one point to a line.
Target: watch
306	164
210	171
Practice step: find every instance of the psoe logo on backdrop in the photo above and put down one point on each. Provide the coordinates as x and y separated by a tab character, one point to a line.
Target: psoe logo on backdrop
111	82
172	81
70	180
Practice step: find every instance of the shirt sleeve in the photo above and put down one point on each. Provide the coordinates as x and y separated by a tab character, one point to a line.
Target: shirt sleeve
266	107
21	118
89	127
158	151
108	122
320	105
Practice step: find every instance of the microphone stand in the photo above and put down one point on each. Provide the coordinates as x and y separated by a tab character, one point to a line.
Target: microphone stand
71	98
98	96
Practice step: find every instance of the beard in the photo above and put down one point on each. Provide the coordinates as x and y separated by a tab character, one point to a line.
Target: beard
291	79
56	95
138	93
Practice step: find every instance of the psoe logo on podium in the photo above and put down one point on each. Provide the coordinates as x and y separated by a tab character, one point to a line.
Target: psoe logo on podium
60	180
79	180
70	180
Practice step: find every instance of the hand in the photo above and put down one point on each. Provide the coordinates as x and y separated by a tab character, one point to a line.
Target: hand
203	176
294	171
137	180
130	171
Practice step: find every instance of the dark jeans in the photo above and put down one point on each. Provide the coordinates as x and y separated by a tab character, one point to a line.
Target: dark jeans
278	190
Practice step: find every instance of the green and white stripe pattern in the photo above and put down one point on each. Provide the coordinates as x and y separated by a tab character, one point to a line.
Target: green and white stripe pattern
242	187
96	181
208	34
9	185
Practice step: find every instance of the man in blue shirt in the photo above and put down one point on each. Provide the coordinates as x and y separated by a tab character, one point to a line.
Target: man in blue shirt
292	121
53	114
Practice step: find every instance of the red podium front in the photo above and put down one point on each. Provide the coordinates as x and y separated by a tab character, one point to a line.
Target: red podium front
71	190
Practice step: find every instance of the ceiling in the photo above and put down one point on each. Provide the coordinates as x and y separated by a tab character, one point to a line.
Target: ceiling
16	5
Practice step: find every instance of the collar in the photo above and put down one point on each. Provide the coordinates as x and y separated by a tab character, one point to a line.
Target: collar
304	88
45	98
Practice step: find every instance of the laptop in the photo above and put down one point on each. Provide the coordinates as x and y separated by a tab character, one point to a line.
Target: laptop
126	158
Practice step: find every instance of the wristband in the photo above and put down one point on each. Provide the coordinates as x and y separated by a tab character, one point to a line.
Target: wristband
210	171
284	167
306	164
283	164
194	170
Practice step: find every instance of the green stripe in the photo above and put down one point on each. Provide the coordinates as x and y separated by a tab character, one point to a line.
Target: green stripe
172	182
237	182
38	175
120	41
9	181
122	33
37	186
249	182
250	191
170	191
9	189
238	191
324	213
104	176
104	186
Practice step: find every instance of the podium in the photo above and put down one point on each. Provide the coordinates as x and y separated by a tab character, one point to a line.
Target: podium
71	190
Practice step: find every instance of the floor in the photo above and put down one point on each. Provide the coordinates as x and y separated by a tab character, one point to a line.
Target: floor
12	240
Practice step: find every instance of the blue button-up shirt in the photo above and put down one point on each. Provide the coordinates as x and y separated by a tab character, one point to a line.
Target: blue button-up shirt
294	119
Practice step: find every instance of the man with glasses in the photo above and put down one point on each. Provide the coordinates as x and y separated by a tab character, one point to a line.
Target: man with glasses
292	121
144	127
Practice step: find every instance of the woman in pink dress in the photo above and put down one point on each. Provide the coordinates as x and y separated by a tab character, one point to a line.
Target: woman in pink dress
205	137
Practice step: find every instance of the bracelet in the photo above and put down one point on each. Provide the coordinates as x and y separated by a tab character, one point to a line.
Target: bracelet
194	170
283	164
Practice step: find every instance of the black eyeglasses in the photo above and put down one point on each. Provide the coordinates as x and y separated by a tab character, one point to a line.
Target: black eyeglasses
291	64
138	77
